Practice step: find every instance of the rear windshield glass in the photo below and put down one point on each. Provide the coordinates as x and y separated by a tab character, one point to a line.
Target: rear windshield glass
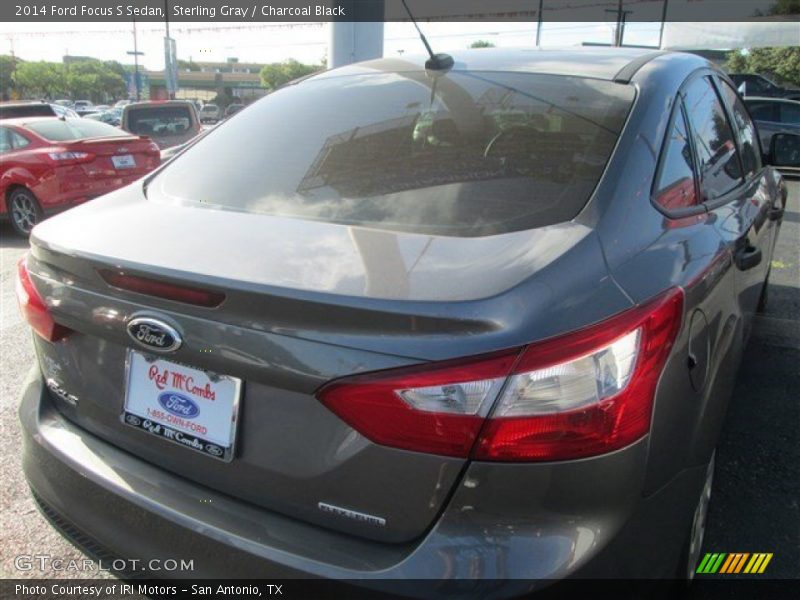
462	154
57	130
27	110
159	120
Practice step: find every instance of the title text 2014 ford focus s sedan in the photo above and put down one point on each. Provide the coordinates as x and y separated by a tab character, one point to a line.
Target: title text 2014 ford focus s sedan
395	323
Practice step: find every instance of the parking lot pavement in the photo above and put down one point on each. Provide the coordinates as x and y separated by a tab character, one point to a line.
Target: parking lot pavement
754	506
22	529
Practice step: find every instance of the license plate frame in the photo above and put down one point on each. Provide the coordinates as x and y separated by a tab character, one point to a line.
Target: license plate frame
158	424
123	161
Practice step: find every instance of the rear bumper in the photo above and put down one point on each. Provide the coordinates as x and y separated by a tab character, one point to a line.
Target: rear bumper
132	509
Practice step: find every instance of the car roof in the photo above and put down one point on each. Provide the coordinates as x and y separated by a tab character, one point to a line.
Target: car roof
158	103
595	62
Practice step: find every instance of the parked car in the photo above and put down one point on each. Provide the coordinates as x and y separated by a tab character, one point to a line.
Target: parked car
487	351
51	164
33	108
168	123
122	103
750	84
82	105
210	113
112	116
232	109
774	115
63	111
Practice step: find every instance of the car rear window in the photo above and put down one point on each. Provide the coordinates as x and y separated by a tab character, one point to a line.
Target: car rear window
26	110
462	154
58	130
159	120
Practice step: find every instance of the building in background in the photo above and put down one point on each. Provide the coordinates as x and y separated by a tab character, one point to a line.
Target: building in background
206	80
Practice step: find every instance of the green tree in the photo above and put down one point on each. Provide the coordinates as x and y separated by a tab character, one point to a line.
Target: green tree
40	79
275	75
95	80
481	44
6	74
781	63
781	7
736	62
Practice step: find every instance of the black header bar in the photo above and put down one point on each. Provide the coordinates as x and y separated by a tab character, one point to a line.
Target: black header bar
252	11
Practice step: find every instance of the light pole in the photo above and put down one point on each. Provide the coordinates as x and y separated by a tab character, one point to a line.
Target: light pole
539	21
136	54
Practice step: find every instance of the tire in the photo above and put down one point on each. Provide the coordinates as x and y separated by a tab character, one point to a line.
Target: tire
24	211
694	543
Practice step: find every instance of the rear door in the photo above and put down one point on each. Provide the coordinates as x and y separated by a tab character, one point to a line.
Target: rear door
733	186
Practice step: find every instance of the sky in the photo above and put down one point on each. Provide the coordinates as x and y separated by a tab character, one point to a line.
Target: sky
265	42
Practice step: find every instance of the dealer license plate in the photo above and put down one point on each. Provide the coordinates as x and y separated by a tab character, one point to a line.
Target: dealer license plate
123	161
190	407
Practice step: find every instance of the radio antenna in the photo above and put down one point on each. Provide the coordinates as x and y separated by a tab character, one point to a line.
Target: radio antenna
436	62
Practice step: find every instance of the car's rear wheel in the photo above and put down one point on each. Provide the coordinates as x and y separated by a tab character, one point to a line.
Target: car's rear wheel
23	210
694	544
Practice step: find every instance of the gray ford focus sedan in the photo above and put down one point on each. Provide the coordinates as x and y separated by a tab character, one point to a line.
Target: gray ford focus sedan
388	322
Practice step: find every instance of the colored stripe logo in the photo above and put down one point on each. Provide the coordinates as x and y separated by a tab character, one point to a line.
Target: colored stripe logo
734	563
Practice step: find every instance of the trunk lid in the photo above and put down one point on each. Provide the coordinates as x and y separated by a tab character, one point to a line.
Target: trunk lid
117	157
305	303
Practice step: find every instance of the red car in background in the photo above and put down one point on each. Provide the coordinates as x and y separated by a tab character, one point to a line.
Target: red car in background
48	164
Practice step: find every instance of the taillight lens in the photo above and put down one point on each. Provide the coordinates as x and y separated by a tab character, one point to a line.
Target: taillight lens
33	307
68	157
581	394
438	409
585	393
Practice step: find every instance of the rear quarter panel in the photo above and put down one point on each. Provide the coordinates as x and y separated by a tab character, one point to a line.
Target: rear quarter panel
648	253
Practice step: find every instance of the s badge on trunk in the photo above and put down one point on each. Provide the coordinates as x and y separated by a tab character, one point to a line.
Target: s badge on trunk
153	334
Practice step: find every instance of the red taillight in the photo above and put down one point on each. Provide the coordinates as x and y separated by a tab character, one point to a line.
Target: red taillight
581	394
374	405
33	307
585	393
64	157
160	289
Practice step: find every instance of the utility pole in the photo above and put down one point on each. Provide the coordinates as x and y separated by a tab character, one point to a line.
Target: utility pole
619	29
663	23
540	19
13	68
136	55
168	66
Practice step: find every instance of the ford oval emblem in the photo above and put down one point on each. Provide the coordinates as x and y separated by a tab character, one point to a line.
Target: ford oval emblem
179	405
153	334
